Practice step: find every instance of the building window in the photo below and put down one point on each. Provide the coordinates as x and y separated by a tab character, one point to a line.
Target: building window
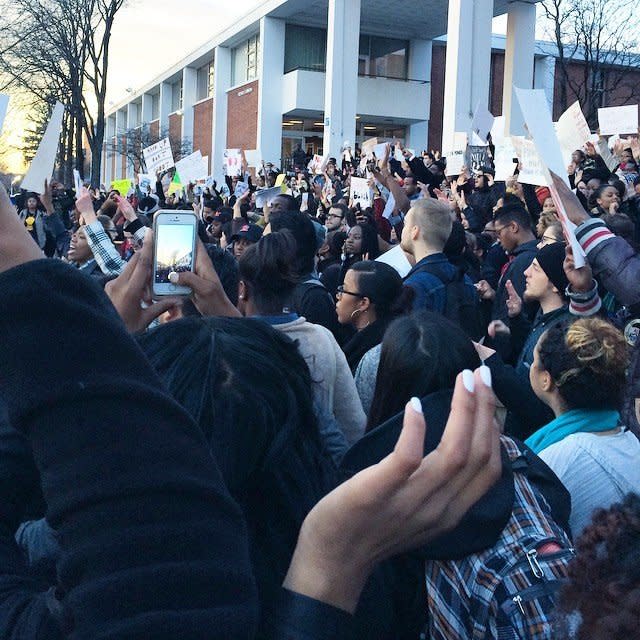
245	60
383	57
205	81
176	96
305	48
155	106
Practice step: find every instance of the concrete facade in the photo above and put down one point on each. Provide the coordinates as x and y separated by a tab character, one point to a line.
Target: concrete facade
254	96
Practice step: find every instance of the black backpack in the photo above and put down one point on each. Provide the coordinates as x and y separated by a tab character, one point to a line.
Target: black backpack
458	308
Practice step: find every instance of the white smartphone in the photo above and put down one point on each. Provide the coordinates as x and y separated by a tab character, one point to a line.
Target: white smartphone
174	250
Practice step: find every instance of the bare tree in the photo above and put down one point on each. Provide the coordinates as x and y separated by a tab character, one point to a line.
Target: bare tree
60	49
597	46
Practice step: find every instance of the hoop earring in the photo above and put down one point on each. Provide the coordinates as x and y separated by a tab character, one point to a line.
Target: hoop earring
360	311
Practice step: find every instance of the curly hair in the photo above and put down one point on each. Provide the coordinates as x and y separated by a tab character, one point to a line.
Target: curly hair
603	593
587	361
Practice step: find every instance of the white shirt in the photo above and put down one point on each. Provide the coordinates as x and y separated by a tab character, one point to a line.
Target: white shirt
597	470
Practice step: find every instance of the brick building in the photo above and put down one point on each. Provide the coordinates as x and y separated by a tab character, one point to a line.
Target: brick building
298	72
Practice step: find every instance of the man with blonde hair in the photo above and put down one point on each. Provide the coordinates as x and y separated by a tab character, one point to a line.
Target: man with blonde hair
438	285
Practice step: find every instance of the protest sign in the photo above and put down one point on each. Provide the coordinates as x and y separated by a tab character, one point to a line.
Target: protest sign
146	182
241	189
477	157
361	192
176	184
497	130
537	117
531	171
77	182
4	103
572	131
192	168
379	150
482	122
158	157
614	120
264	196
456	156
42	164
367	147
397	259
397	154
318	163
233	162
505	158
389	207
253	157
122	186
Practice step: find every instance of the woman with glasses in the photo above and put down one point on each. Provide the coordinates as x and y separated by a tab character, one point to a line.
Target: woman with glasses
371	296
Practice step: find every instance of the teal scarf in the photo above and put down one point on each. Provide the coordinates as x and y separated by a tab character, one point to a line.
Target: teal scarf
574	421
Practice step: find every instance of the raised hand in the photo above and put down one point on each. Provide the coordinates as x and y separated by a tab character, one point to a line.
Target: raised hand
125	208
403	501
133	287
514	301
581	280
485	290
496	327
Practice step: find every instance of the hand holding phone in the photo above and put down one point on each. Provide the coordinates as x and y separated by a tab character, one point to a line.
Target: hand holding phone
174	250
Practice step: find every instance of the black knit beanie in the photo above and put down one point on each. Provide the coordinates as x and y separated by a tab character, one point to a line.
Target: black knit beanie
551	258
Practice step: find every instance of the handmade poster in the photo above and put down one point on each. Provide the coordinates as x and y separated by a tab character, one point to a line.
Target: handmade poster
42	164
497	130
456	157
397	259
572	131
253	157
146	182
361	193
531	171
367	147
397	154
158	157
505	158
537	117
176	184
482	122
318	163
233	162
612	120
122	186
77	182
241	189
389	207
192	168
380	149
477	157
264	196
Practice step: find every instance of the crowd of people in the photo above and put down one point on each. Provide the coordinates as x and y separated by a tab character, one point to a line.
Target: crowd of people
414	419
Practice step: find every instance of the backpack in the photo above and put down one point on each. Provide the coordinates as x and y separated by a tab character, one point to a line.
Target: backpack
506	592
458	308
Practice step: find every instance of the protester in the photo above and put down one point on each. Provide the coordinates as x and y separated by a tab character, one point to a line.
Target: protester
372	295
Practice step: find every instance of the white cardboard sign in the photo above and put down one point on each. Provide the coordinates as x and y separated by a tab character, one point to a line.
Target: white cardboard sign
505	152
233	162
614	120
253	157
42	164
158	157
572	131
361	193
482	122
192	168
397	259
456	156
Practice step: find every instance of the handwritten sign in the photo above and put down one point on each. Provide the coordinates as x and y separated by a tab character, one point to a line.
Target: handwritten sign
233	162
505	153
192	168
361	193
614	120
572	131
482	122
158	157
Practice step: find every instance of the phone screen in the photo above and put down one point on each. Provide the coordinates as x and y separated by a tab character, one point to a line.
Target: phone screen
174	250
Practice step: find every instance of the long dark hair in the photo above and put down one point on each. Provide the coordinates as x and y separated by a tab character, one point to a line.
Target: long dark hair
421	353
382	284
249	390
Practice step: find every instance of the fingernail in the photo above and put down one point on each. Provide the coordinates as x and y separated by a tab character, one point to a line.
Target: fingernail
173	277
416	405
468	380
485	375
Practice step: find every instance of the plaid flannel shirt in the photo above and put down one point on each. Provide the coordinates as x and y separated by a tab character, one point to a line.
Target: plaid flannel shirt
103	249
463	595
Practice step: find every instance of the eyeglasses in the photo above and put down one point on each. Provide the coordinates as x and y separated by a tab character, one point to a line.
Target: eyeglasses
498	230
341	290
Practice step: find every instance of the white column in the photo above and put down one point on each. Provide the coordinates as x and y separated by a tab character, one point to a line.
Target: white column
544	77
146	114
468	65
518	62
419	68
341	83
106	167
189	94
270	72
133	111
121	129
166	94
221	84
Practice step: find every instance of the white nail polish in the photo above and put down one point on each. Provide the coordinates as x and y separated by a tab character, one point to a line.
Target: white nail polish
468	380
485	374
416	405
